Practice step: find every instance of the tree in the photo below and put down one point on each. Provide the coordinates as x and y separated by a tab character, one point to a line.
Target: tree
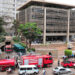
2	22
15	26
30	31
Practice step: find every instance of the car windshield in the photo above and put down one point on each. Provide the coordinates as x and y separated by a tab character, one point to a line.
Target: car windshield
50	58
56	68
62	69
35	68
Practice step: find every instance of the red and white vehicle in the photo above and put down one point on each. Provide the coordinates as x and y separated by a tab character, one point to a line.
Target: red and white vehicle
6	63
8	48
39	60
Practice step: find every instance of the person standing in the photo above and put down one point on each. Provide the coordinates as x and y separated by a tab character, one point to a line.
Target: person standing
58	62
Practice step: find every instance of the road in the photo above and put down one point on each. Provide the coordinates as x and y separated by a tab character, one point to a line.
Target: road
48	70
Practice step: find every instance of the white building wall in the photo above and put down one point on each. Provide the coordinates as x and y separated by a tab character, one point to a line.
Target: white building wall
8	11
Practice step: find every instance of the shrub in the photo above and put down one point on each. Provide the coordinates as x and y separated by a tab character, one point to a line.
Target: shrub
22	44
31	49
16	39
2	39
68	52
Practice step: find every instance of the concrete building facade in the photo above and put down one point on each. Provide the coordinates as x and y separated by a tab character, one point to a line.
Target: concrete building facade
56	21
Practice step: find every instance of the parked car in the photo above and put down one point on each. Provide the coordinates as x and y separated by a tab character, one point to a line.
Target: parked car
28	69
73	63
61	70
67	64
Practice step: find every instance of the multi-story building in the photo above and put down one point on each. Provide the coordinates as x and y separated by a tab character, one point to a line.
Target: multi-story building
20	3
8	11
53	19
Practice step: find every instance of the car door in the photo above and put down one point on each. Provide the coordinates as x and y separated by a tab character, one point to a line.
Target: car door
29	70
62	71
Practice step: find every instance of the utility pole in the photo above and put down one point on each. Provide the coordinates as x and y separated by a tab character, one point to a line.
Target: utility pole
44	32
68	28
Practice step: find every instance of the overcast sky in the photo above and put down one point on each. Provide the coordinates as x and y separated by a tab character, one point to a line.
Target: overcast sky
67	2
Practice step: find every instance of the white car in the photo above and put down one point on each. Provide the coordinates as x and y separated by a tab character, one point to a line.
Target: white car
61	70
28	69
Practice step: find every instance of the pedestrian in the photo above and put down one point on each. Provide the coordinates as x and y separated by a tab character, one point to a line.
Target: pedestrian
44	72
58	62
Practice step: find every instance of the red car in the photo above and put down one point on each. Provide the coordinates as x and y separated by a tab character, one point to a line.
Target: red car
67	64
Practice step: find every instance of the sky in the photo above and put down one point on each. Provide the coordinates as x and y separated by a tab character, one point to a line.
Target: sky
67	2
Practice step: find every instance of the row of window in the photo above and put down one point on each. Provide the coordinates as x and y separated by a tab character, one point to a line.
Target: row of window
41	10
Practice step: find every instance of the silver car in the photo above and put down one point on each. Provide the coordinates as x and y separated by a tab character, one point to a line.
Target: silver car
61	70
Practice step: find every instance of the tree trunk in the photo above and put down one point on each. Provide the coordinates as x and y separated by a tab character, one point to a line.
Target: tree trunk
29	43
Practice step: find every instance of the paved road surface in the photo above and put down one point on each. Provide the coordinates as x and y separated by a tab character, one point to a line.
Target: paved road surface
48	70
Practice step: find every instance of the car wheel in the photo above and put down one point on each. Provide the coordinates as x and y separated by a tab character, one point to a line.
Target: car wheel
58	73
69	71
35	73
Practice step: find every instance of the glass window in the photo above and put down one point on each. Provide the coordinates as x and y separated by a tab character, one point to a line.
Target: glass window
62	69
35	68
46	58
29	68
22	68
50	58
56	68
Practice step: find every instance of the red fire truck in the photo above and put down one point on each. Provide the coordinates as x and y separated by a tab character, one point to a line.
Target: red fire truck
6	63
39	60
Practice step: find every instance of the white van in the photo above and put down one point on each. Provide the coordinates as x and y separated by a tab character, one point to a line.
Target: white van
28	69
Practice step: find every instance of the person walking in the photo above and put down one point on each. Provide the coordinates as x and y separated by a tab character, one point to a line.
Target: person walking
44	72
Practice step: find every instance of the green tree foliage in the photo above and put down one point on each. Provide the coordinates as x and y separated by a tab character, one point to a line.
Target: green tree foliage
30	31
15	26
68	52
16	39
22	44
2	39
2	22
